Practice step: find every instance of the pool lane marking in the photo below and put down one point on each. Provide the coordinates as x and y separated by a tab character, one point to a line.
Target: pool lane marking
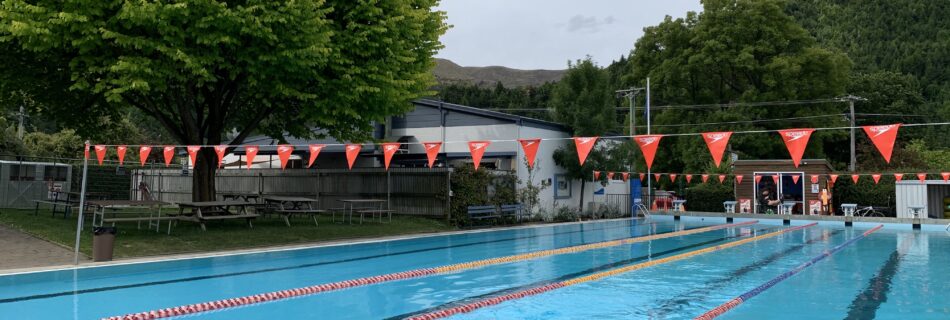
291	293
669	305
866	303
729	305
572	275
300	266
600	275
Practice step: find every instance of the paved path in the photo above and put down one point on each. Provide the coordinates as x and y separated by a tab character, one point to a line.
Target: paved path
20	250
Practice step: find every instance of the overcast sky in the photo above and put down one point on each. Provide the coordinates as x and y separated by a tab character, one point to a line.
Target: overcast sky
545	34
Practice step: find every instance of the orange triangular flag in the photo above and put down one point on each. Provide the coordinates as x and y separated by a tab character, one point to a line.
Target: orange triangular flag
251	152
672	177
610	175
389	149
883	138
193	154
352	151
283	154
477	148
945	175
722	178
584	145
314	152
530	147
169	153
834	178
642	175
814	178
922	177
596	175
120	152
100	153
143	154
717	142
648	145
656	176
432	151
795	178
626	175
220	150
775	178
705	177
86	152
689	178
876	177
757	178
738	179
796	140
898	176
854	178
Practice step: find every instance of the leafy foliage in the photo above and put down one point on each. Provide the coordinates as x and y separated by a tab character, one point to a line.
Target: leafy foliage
472	187
500	97
708	197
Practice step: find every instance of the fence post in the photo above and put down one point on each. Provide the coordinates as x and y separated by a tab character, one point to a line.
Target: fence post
448	195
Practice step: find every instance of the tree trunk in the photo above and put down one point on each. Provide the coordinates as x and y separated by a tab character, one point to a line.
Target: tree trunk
202	183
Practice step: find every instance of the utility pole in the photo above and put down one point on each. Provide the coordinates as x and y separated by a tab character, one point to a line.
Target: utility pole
851	99
631	95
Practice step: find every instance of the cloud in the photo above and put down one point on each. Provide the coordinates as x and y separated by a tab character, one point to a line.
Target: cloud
587	24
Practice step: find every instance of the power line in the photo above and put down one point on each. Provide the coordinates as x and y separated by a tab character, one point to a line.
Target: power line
748	121
697	106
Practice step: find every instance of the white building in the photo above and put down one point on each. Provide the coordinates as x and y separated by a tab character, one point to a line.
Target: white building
455	125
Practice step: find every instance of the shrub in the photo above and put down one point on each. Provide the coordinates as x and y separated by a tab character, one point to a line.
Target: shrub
708	197
480	188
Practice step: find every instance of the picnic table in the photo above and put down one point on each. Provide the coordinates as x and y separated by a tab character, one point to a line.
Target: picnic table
67	200
288	206
368	206
204	211
153	208
247	197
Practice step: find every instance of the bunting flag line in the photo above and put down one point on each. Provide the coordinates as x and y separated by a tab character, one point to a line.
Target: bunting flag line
596	175
738	179
814	178
689	178
169	153
922	177
796	140
648	145
610	175
432	151
854	178
626	176
795	178
722	178
100	153
757	179
883	138
705	177
775	178
220	150
530	147
642	175
120	152
193	154
283	154
314	152
717	142
673	177
250	152
876	177
477	148
353	150
584	145
143	154
834	178
389	149
898	177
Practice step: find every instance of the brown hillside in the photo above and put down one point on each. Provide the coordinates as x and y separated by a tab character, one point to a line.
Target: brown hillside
447	71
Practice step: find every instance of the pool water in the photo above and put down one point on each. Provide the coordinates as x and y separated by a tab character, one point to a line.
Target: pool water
890	274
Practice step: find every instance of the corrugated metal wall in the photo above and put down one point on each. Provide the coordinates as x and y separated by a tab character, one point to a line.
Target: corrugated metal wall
929	195
416	191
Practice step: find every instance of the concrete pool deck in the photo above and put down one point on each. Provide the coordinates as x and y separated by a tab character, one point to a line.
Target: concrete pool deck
21	250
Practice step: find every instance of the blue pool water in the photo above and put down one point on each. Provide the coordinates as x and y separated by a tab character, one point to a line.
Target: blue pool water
889	274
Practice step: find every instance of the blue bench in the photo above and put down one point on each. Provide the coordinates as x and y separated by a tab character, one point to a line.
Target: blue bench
512	209
491	212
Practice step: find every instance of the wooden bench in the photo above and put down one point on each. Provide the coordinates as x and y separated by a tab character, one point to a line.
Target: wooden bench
374	212
139	220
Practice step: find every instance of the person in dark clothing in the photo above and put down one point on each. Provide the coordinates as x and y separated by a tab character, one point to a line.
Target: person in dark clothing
768	202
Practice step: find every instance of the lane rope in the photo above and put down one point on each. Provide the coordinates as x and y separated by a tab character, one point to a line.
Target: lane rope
468	307
293	293
729	305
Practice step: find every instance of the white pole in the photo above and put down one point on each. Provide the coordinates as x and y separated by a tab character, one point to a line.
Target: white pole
649	174
82	204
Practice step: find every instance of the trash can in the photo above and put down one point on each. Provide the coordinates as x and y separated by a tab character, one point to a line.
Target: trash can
103	240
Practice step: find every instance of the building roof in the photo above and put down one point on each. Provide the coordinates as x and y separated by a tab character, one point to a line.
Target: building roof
525	121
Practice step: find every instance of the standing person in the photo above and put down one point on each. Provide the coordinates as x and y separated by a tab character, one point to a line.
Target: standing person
768	203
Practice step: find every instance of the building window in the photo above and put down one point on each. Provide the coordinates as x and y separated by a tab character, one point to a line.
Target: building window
562	187
55	173
22	172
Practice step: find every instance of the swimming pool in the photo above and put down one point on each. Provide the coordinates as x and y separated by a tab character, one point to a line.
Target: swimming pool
887	274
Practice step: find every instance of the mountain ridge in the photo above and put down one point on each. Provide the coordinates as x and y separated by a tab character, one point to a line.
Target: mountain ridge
448	72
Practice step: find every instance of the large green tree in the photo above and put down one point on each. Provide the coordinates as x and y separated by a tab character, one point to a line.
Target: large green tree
584	100
736	51
207	68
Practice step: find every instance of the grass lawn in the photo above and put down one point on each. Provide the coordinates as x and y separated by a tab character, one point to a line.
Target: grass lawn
187	237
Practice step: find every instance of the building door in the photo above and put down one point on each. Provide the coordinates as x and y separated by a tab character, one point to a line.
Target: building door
789	189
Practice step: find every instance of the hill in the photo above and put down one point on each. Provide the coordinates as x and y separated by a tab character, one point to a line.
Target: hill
448	72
